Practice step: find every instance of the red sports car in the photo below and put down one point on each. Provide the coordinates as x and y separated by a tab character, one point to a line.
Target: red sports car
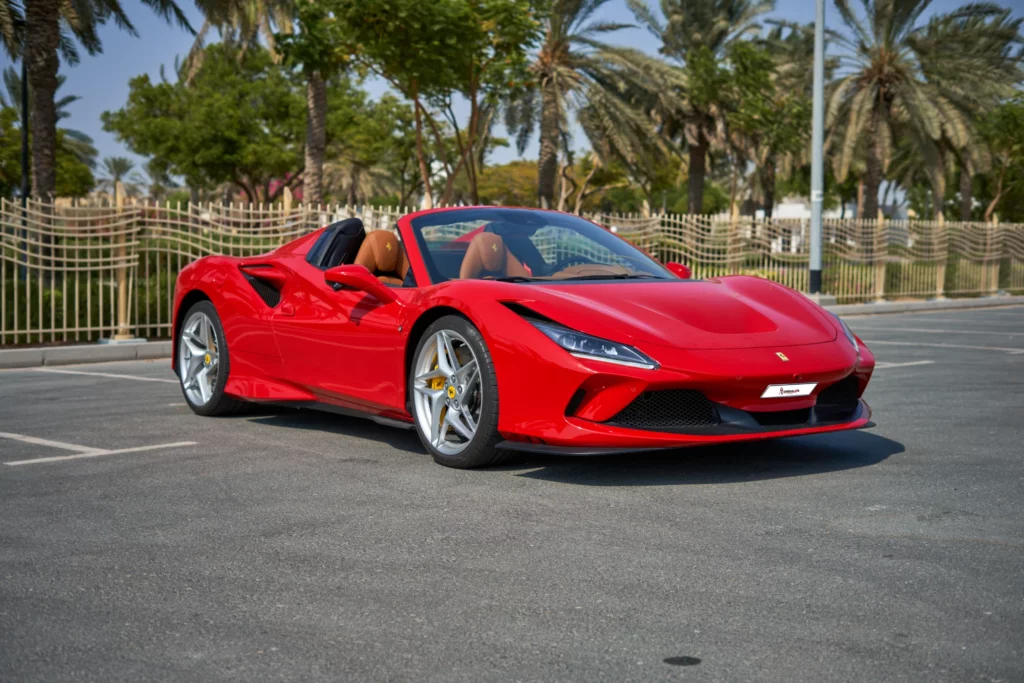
490	330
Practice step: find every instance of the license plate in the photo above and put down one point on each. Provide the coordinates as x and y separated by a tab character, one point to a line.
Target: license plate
788	390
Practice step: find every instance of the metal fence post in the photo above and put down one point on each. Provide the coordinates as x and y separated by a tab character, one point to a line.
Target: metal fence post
122	269
941	256
878	256
992	253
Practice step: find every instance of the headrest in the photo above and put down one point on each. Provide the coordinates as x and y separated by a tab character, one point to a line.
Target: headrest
380	252
486	253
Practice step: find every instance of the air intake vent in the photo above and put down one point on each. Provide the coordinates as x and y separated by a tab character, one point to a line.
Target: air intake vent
837	402
270	296
667	410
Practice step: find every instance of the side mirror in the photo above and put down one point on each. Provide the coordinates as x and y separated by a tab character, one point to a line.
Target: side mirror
360	278
679	270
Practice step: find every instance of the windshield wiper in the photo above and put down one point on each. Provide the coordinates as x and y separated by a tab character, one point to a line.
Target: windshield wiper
616	276
512	278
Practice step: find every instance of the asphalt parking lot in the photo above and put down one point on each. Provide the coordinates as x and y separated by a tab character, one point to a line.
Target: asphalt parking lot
140	542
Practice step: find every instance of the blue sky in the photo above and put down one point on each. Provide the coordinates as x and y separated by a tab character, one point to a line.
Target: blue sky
102	81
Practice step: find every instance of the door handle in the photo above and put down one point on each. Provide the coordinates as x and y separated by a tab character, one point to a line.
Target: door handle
286	309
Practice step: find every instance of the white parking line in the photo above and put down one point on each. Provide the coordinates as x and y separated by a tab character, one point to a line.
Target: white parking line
1010	351
80	451
106	374
47	442
93	454
884	366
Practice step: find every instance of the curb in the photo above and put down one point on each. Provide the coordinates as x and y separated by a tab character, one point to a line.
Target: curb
102	353
883	307
84	353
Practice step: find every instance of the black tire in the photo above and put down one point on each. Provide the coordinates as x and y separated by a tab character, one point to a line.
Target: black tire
219	403
481	451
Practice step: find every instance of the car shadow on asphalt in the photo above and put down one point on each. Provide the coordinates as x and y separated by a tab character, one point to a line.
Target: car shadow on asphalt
343	425
725	464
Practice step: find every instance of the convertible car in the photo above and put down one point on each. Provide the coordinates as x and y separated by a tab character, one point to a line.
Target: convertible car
490	330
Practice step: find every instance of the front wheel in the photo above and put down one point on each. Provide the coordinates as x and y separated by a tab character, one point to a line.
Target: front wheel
454	394
203	362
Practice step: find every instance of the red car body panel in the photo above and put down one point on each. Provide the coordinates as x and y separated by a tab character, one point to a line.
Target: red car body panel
728	338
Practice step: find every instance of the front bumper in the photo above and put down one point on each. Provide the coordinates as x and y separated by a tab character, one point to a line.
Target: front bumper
591	438
554	402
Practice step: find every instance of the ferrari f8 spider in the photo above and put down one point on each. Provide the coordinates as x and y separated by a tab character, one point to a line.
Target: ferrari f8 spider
490	330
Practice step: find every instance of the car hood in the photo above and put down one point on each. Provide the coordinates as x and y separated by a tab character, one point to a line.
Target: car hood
729	313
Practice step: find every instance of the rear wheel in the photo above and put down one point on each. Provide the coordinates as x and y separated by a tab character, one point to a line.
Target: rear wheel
204	361
454	394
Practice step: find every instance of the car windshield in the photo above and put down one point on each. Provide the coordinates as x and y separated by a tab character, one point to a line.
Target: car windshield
524	245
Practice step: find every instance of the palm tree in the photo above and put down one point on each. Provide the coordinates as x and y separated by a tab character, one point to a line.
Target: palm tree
574	70
119	170
50	31
244	22
896	72
700	29
74	141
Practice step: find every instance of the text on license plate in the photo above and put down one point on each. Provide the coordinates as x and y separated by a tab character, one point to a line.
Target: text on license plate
788	390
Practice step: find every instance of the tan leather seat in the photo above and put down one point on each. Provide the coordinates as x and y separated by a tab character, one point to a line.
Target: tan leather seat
383	255
487	255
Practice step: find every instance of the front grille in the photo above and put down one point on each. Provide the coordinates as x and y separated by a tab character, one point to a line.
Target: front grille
838	402
270	296
667	410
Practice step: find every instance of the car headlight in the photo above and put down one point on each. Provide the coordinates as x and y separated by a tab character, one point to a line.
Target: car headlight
594	348
849	333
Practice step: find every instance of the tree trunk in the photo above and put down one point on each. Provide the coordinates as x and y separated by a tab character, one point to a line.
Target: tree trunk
872	181
428	198
769	187
695	189
966	190
316	139
42	38
872	170
547	164
860	198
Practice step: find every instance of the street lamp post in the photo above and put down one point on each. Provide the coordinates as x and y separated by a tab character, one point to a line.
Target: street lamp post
817	142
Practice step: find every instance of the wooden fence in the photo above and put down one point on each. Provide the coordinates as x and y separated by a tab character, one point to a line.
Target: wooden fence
80	273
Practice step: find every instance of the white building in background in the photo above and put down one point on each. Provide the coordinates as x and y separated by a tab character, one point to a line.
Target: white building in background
798	207
794	207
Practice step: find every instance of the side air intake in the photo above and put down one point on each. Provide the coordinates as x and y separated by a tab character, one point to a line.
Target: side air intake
270	296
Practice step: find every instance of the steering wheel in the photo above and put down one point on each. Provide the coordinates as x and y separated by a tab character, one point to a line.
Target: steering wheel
570	261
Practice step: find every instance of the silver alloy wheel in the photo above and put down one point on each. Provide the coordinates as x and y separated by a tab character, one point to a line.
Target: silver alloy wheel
198	359
448	394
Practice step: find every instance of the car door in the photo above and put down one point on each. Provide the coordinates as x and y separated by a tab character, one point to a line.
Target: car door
344	346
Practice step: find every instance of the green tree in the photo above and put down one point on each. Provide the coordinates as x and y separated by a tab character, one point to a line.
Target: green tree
74	177
766	122
511	184
897	73
494	39
415	46
240	122
1003	129
697	35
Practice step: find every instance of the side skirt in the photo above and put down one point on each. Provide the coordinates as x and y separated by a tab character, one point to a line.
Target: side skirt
338	410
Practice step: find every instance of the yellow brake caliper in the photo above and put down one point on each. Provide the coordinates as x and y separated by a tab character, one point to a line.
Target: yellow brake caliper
438	383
